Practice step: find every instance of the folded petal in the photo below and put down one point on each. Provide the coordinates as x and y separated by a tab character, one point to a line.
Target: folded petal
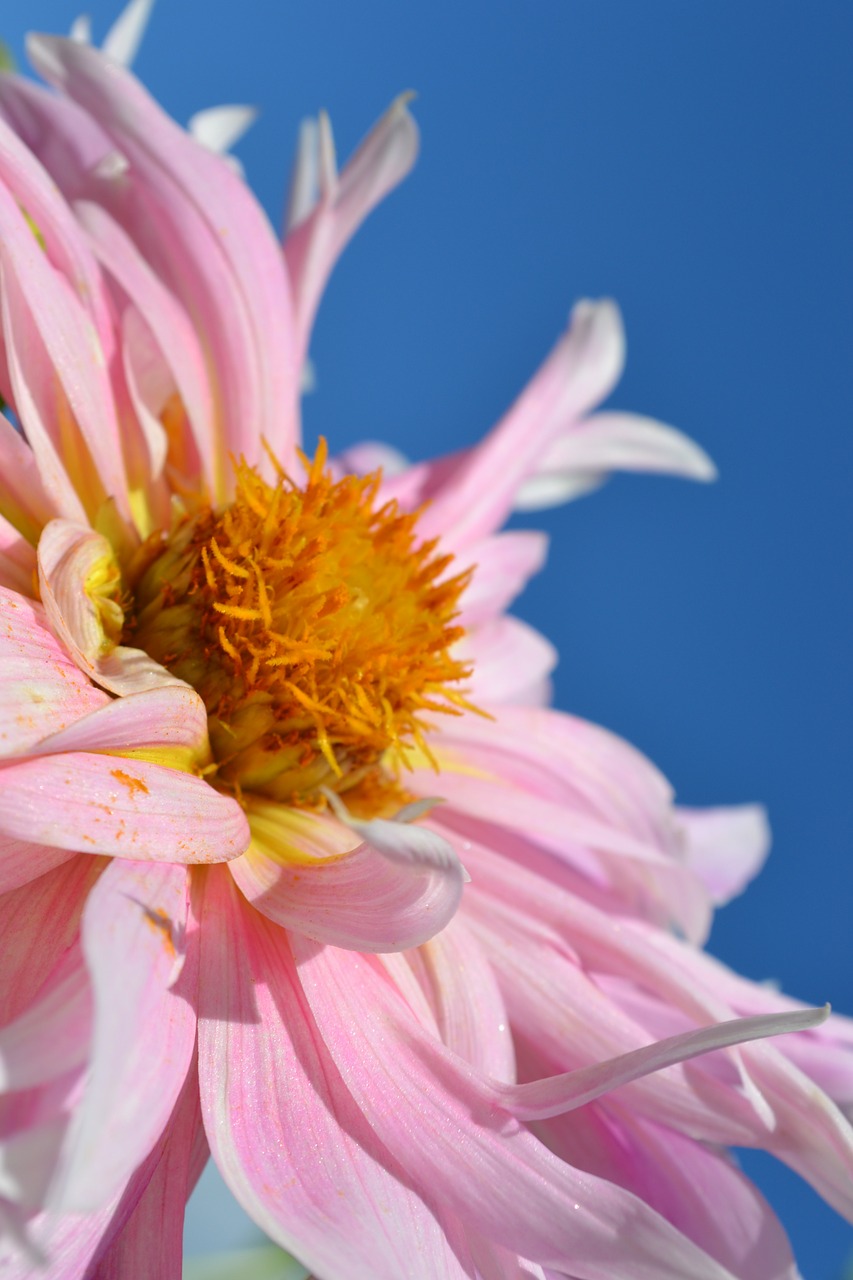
134	935
312	874
126	808
283	1128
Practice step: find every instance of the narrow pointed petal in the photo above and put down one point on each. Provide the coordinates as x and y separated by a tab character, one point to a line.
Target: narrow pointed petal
219	128
582	457
134	933
314	244
478	495
24	501
124	37
310	873
127	808
272	1099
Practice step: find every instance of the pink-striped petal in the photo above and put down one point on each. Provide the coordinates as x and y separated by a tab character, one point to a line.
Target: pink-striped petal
474	1157
51	1036
203	232
135	942
172	719
127	808
23	499
283	1128
312	874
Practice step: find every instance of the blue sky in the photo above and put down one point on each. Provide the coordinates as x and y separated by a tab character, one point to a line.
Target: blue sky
691	161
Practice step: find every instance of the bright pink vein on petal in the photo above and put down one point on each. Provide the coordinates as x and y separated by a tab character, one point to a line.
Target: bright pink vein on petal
135	944
319	1181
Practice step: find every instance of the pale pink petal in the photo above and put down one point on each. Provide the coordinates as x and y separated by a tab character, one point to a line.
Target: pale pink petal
581	458
68	553
287	1136
509	657
63	245
124	37
166	319
21	862
203	232
478	494
371	455
58	371
313	246
310	873
172	717
63	137
23	499
725	847
38	924
17	560
42	691
51	1036
479	1161
219	128
135	941
151	1241
127	808
699	1190
504	563
543	1098
463	992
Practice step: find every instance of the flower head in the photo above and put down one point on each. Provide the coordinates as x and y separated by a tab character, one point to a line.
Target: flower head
234	914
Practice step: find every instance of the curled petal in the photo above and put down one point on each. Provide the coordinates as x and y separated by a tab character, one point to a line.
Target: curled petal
725	847
311	874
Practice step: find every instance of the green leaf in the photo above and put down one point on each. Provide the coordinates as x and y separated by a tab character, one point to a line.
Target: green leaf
264	1262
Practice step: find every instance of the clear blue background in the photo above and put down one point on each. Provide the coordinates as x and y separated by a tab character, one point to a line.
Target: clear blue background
692	160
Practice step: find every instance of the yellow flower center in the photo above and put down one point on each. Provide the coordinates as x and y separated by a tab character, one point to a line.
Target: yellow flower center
315	626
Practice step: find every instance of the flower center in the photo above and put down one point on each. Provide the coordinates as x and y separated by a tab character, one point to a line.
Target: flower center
316	628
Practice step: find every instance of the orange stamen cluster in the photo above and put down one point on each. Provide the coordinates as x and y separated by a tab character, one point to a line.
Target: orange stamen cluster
316	627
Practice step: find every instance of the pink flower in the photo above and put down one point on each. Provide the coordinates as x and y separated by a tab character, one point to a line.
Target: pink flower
433	1038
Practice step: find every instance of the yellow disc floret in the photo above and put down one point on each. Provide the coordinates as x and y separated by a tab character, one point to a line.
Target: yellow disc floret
315	625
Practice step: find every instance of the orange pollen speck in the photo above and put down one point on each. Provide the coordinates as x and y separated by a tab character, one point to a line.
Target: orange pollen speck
318	630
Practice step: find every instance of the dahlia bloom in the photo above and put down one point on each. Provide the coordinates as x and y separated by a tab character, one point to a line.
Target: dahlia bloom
297	867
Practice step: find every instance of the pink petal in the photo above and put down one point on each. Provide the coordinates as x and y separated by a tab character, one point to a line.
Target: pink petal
581	458
42	691
283	1128
38	923
508	657
311	874
168	718
166	319
127	808
504	563
313	246
435	1117
134	941
21	862
51	1036
58	373
725	847
478	494
17	560
203	232
23	498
